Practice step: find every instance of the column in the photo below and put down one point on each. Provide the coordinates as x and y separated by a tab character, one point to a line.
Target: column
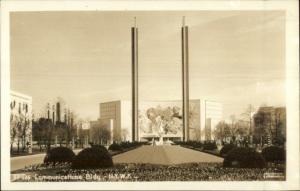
185	80
134	59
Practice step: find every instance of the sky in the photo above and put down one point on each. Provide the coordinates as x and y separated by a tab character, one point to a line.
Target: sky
235	57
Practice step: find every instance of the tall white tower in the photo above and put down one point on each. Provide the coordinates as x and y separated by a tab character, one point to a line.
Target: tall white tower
185	79
134	67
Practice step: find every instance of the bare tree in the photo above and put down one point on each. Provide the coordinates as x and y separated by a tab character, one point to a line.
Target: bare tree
100	133
63	130
194	118
124	134
262	125
233	127
19	125
40	131
222	131
247	116
13	131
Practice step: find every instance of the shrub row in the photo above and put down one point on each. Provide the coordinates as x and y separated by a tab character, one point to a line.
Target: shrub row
241	157
124	145
270	154
273	154
115	147
95	157
244	157
206	145
98	156
59	155
226	148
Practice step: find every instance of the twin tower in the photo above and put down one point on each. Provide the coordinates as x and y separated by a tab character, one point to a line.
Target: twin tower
185	80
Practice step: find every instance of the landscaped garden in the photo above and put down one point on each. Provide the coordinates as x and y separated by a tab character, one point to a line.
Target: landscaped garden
96	164
150	172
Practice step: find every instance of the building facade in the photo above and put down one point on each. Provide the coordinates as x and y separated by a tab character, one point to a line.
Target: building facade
162	119
20	122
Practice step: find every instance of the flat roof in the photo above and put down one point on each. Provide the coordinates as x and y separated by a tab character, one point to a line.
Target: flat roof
20	95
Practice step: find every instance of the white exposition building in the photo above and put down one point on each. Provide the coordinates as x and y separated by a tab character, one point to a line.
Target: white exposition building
21	120
161	119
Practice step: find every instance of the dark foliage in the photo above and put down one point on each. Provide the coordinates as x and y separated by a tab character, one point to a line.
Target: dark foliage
226	148
242	157
115	147
95	157
99	147
273	154
127	144
206	145
209	146
194	144
59	155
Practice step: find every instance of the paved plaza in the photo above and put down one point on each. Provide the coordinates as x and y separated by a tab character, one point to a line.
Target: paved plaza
22	161
146	154
166	155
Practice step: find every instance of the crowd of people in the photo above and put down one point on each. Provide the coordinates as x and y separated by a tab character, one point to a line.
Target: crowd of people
151	172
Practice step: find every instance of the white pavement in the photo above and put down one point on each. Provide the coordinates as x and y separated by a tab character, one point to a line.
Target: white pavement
167	155
22	161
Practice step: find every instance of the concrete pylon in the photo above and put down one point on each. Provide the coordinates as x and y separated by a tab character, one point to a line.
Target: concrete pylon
185	80
134	66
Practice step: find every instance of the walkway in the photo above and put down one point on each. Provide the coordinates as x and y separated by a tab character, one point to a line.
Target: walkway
167	155
22	161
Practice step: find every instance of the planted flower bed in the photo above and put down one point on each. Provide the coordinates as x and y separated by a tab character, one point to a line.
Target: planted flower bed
148	172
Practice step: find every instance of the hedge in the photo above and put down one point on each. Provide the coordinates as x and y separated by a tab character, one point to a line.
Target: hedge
242	157
273	154
94	157
226	148
59	155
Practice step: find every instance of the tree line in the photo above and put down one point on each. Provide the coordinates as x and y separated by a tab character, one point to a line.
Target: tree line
265	126
20	124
